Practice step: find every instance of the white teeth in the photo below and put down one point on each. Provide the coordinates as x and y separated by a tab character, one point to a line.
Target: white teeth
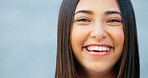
98	48
108	48
104	48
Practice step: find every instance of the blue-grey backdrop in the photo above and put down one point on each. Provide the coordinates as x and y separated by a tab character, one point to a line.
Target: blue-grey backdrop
28	35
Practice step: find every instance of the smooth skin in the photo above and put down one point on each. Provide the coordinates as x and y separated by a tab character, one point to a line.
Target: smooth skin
97	22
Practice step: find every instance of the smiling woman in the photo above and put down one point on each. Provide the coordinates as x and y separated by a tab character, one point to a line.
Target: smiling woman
94	40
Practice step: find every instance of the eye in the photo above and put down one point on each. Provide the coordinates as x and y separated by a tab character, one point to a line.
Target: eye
83	21
114	22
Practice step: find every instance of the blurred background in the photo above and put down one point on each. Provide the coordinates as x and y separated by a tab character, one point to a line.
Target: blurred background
28	37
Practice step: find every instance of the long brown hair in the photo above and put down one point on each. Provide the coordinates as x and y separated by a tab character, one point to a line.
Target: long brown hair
128	65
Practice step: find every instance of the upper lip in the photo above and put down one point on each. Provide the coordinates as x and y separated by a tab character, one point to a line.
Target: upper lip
105	45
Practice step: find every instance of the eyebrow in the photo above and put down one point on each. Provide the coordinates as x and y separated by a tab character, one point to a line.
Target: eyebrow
91	12
112	12
84	11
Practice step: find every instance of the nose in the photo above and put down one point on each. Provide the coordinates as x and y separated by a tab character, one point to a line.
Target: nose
98	31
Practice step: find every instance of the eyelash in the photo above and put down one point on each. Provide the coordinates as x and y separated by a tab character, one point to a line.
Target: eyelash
110	22
86	20
114	20
83	20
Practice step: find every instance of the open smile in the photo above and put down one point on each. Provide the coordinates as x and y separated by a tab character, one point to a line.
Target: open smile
98	50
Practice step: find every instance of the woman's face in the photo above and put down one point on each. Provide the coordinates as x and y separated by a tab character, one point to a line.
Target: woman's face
97	35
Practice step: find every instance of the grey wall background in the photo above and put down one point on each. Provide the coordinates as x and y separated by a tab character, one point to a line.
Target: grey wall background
141	12
28	34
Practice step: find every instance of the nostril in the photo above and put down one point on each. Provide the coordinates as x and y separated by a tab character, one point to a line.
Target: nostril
98	35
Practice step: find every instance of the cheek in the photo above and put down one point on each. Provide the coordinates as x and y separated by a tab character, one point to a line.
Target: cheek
120	38
117	36
78	36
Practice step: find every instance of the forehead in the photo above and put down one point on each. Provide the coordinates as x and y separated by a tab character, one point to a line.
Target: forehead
97	5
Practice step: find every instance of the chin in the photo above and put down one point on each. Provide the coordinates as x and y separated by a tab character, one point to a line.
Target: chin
98	69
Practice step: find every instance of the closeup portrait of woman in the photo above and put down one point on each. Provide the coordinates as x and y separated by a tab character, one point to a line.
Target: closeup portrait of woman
97	39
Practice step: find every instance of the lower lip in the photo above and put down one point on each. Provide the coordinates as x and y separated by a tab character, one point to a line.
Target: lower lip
98	53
